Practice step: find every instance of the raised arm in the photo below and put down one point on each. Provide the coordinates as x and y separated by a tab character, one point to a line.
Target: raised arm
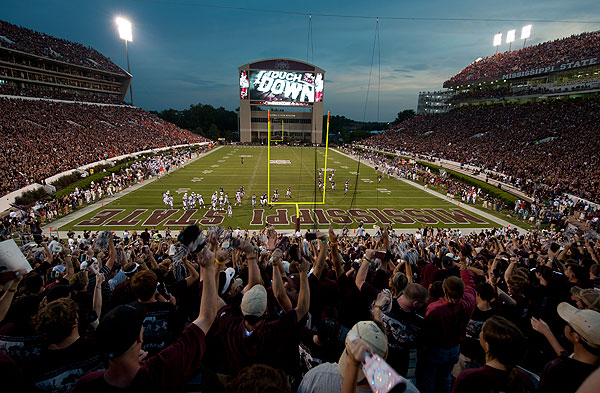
194	275
70	273
253	271
361	275
112	253
9	294
542	327
385	238
278	289
97	299
304	294
209	303
336	258
408	271
511	268
356	350
320	264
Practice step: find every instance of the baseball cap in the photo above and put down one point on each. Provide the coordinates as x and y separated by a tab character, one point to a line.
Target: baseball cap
585	322
120	328
448	259
371	334
57	269
589	297
254	301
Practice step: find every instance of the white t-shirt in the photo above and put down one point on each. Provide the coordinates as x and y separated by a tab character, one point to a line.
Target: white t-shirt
326	378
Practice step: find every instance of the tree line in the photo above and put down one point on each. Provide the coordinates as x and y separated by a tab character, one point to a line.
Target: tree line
214	123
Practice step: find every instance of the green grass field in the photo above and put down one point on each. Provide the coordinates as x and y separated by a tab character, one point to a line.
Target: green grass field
391	201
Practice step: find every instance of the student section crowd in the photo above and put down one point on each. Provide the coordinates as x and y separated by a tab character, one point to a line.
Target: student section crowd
258	311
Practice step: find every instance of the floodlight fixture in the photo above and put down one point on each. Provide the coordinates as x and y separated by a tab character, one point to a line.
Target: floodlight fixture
526	32
124	27
510	36
498	39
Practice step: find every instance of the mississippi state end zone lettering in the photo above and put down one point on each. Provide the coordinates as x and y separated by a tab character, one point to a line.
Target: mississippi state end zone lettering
286	217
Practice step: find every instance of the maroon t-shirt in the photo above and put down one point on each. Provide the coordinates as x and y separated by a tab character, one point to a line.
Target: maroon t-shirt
427	274
487	379
445	323
274	343
564	374
167	371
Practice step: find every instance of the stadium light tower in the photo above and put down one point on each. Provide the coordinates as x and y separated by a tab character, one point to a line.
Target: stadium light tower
124	27
497	41
525	34
510	37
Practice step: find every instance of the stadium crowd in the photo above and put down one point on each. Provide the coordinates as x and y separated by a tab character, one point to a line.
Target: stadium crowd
551	213
241	311
42	138
7	89
501	92
574	48
544	148
40	44
133	173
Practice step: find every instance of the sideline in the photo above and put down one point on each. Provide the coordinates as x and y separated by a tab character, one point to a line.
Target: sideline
69	218
456	166
481	213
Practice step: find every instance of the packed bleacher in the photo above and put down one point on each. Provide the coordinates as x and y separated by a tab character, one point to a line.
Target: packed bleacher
40	44
501	92
157	165
240	311
12	90
573	48
545	148
43	138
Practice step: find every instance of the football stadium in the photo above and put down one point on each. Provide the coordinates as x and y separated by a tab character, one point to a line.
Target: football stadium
282	246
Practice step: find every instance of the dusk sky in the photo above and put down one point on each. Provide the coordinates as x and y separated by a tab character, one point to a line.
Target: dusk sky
183	53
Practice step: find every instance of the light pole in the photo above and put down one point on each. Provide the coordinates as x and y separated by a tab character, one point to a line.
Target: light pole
124	27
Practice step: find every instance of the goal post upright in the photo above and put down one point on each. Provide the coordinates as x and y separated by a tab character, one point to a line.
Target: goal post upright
326	149
296	204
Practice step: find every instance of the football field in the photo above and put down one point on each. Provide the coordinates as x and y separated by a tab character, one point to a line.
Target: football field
367	200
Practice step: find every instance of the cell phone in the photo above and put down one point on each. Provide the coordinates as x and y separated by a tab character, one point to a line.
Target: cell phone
310	236
381	376
380	255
